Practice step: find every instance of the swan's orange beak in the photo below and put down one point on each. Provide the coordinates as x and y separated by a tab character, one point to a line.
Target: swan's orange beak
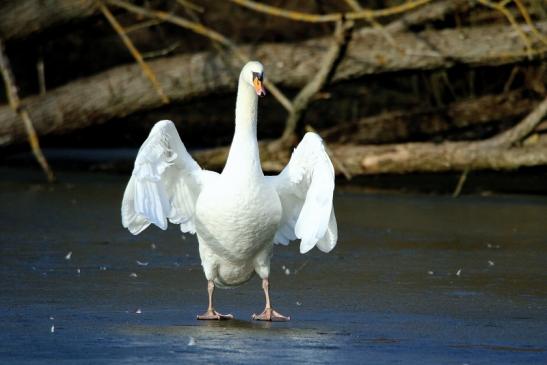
259	87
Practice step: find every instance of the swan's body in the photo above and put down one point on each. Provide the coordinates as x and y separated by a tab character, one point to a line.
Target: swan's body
236	221
238	214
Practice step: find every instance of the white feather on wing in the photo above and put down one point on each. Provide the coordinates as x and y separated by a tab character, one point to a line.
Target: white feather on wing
305	188
165	183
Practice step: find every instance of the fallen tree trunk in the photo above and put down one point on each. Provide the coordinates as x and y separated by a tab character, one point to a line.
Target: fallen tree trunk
400	126
23	17
124	90
430	157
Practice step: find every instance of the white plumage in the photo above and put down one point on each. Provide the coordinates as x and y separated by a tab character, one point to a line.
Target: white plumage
238	214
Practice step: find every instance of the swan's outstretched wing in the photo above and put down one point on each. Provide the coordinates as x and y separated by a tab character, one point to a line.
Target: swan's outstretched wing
305	188
165	183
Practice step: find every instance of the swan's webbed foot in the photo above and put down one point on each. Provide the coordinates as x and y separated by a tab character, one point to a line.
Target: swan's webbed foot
212	314
270	314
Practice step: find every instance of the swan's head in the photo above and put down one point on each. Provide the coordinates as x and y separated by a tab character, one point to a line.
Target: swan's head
253	73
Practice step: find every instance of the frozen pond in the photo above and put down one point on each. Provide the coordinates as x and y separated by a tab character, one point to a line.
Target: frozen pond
415	279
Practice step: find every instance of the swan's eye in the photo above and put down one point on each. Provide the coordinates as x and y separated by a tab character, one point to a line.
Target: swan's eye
257	83
258	75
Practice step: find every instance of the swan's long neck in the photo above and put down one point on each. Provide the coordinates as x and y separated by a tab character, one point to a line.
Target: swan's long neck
244	158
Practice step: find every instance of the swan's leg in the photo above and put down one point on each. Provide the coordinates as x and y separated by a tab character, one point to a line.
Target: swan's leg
211	312
269	314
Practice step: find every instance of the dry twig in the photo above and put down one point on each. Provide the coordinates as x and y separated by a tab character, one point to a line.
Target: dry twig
502	9
524	12
41	76
511	78
435	10
142	25
15	104
302	100
134	52
191	6
461	182
354	4
333	17
161	52
522	129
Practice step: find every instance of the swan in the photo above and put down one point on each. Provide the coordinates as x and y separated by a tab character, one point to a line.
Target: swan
238	214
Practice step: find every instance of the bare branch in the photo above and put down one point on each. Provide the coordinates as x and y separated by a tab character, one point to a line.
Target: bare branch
302	100
41	76
523	129
502	9
461	181
147	71
15	103
433	11
329	18
354	4
524	11
191	6
142	25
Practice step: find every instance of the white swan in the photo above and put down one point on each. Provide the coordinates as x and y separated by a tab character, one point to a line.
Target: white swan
240	213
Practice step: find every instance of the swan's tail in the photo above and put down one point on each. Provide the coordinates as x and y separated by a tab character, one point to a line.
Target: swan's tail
219	283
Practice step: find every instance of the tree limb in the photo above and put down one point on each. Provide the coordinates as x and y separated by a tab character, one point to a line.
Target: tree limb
502	9
302	100
334	17
521	130
15	104
433	11
429	157
134	52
